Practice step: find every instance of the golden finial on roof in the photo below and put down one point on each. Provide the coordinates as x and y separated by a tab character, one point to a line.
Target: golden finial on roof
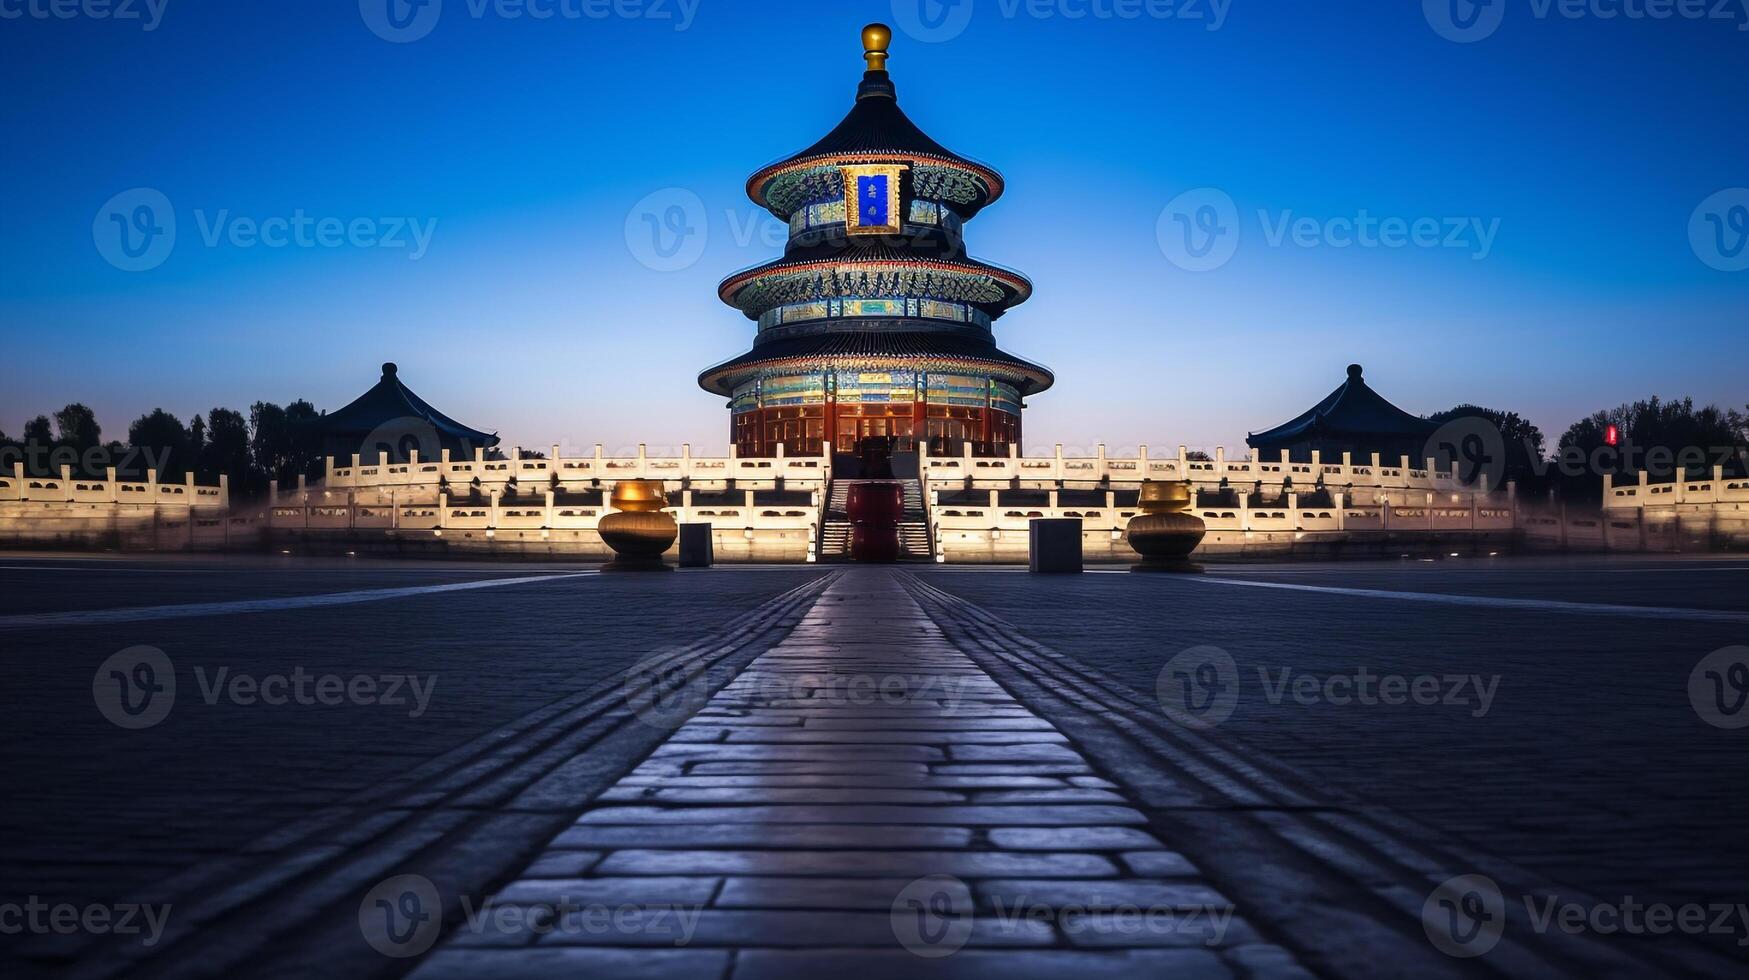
875	40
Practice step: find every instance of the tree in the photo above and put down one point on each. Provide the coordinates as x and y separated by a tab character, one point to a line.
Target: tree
285	442
163	442
1521	441
304	447
197	443
1664	439
227	452
38	433
78	428
39	439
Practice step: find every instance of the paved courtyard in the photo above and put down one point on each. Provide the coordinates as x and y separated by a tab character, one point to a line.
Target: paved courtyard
281	766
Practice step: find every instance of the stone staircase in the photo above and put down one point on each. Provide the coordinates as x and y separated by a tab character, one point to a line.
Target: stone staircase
915	542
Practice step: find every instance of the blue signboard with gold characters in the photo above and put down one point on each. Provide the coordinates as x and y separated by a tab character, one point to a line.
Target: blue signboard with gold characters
871	198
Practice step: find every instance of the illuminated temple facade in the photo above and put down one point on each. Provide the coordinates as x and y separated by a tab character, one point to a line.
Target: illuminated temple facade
875	327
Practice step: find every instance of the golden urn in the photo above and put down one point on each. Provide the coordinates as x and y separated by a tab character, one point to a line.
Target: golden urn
639	532
1165	532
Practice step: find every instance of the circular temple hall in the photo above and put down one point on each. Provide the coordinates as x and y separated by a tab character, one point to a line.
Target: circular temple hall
875	327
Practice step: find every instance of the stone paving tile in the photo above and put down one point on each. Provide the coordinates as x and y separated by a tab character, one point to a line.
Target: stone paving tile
621	964
781	927
842	779
610	890
693	836
563	864
852	863
1158	864
777	794
982	965
1017	816
844	893
858	761
1072	838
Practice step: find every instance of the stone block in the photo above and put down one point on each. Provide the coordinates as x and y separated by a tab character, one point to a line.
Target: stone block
696	550
1054	545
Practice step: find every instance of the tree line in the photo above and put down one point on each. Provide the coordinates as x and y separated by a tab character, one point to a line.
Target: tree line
1668	440
271	442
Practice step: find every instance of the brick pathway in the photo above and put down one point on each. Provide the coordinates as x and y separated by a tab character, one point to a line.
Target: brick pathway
863	800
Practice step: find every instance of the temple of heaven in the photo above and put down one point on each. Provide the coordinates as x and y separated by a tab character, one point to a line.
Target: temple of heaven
875	326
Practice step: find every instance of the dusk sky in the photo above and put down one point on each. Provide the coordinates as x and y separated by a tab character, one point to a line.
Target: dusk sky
1570	153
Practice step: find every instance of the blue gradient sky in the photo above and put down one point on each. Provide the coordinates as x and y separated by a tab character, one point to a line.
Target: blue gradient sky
529	142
